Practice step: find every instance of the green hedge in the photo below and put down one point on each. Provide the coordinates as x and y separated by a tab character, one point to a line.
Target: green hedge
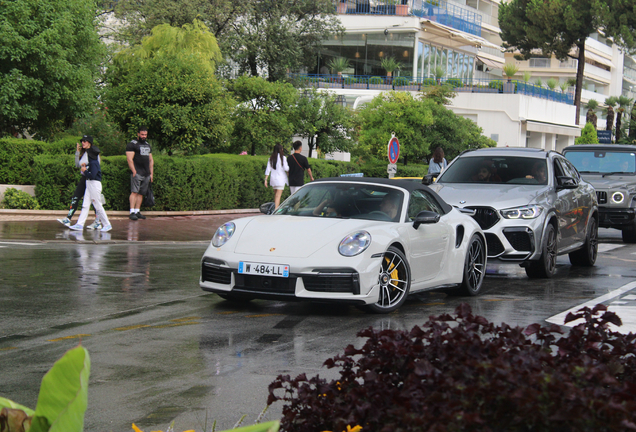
17	157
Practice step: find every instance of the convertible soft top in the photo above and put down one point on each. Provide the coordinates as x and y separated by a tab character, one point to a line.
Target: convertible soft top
409	185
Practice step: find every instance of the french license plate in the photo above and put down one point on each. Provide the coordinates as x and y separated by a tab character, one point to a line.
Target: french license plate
262	269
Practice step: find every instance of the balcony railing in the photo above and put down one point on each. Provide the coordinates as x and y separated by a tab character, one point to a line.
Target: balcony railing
439	11
416	84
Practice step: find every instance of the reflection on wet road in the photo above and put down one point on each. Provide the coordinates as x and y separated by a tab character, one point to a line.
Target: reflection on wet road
162	349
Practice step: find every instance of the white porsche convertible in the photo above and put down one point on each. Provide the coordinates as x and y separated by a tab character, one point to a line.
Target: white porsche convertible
363	241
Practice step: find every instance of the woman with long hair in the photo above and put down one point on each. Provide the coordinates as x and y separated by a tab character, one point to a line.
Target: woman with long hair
92	170
438	163
278	168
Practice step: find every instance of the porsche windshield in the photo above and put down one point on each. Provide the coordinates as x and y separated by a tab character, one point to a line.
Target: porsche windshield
345	200
603	162
496	170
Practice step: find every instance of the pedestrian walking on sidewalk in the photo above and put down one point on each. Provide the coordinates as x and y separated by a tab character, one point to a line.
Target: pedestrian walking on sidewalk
141	164
93	195
80	189
297	166
278	168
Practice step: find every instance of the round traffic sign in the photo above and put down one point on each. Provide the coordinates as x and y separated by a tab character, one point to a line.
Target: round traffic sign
394	149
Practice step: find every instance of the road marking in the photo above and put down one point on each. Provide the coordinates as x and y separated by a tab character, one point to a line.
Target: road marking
627	314
67	337
630	297
8	348
261	315
21	244
608	247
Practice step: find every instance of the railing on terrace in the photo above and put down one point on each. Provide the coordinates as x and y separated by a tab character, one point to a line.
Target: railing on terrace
474	85
435	10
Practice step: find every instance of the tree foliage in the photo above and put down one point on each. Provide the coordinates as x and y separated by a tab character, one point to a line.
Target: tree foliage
588	135
281	35
558	26
167	84
325	122
263	115
50	56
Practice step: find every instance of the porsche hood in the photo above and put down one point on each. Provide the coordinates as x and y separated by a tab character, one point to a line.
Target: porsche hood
294	236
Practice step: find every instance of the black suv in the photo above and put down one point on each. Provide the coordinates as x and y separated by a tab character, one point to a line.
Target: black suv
611	169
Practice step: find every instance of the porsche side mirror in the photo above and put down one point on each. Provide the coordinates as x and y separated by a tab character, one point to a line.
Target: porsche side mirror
429	179
566	183
267	208
425	217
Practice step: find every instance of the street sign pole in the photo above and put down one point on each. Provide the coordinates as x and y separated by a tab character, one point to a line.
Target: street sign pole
393	150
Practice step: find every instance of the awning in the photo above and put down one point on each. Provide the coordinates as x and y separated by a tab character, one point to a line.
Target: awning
454	33
552	128
491	63
574	53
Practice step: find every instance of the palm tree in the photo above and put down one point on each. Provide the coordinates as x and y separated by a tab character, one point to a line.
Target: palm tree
623	103
510	69
611	103
390	65
338	64
632	125
591	117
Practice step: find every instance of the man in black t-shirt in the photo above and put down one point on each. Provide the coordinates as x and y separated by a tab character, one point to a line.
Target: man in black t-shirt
297	166
141	164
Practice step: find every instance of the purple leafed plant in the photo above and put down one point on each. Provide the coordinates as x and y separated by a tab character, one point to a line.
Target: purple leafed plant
463	373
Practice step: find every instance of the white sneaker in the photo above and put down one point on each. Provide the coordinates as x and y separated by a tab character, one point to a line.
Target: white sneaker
95	226
107	228
65	222
77	227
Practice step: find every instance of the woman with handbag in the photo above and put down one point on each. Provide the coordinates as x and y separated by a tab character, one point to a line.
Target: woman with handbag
278	168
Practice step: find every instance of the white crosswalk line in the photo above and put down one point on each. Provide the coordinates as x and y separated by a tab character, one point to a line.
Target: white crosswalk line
627	313
608	247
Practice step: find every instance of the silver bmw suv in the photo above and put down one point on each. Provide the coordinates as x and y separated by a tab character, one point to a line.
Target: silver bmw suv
532	205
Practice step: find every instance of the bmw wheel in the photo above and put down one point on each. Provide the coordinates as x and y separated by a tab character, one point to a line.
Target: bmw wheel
394	280
545	266
586	256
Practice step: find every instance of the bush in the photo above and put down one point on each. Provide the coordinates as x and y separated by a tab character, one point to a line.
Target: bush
401	81
496	84
463	373
376	80
17	199
455	82
588	135
16	158
429	82
107	135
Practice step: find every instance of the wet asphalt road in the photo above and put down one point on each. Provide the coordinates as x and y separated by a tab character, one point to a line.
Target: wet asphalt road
164	350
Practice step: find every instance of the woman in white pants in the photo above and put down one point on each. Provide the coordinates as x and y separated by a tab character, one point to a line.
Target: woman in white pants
92	170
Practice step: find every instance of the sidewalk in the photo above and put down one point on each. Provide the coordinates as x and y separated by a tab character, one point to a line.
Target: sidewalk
160	226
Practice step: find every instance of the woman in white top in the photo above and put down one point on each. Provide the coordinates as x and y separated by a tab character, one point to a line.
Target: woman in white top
278	168
437	164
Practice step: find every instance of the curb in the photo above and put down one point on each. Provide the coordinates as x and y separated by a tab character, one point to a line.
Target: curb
18	212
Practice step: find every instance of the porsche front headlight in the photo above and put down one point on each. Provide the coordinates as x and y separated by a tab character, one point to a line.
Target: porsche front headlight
354	244
223	234
525	212
618	197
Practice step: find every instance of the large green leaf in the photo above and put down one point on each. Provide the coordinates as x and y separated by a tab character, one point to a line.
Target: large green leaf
64	394
6	403
260	427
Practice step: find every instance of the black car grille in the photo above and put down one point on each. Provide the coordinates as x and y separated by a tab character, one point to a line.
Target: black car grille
494	245
265	284
486	217
344	283
212	272
601	197
520	240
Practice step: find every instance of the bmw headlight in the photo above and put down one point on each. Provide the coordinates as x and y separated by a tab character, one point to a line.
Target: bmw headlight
618	197
223	234
354	244
525	212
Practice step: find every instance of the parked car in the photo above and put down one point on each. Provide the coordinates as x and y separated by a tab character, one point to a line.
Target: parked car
611	169
531	204
361	241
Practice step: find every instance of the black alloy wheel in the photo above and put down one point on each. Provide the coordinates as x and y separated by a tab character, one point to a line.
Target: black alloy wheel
545	266
586	256
474	267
